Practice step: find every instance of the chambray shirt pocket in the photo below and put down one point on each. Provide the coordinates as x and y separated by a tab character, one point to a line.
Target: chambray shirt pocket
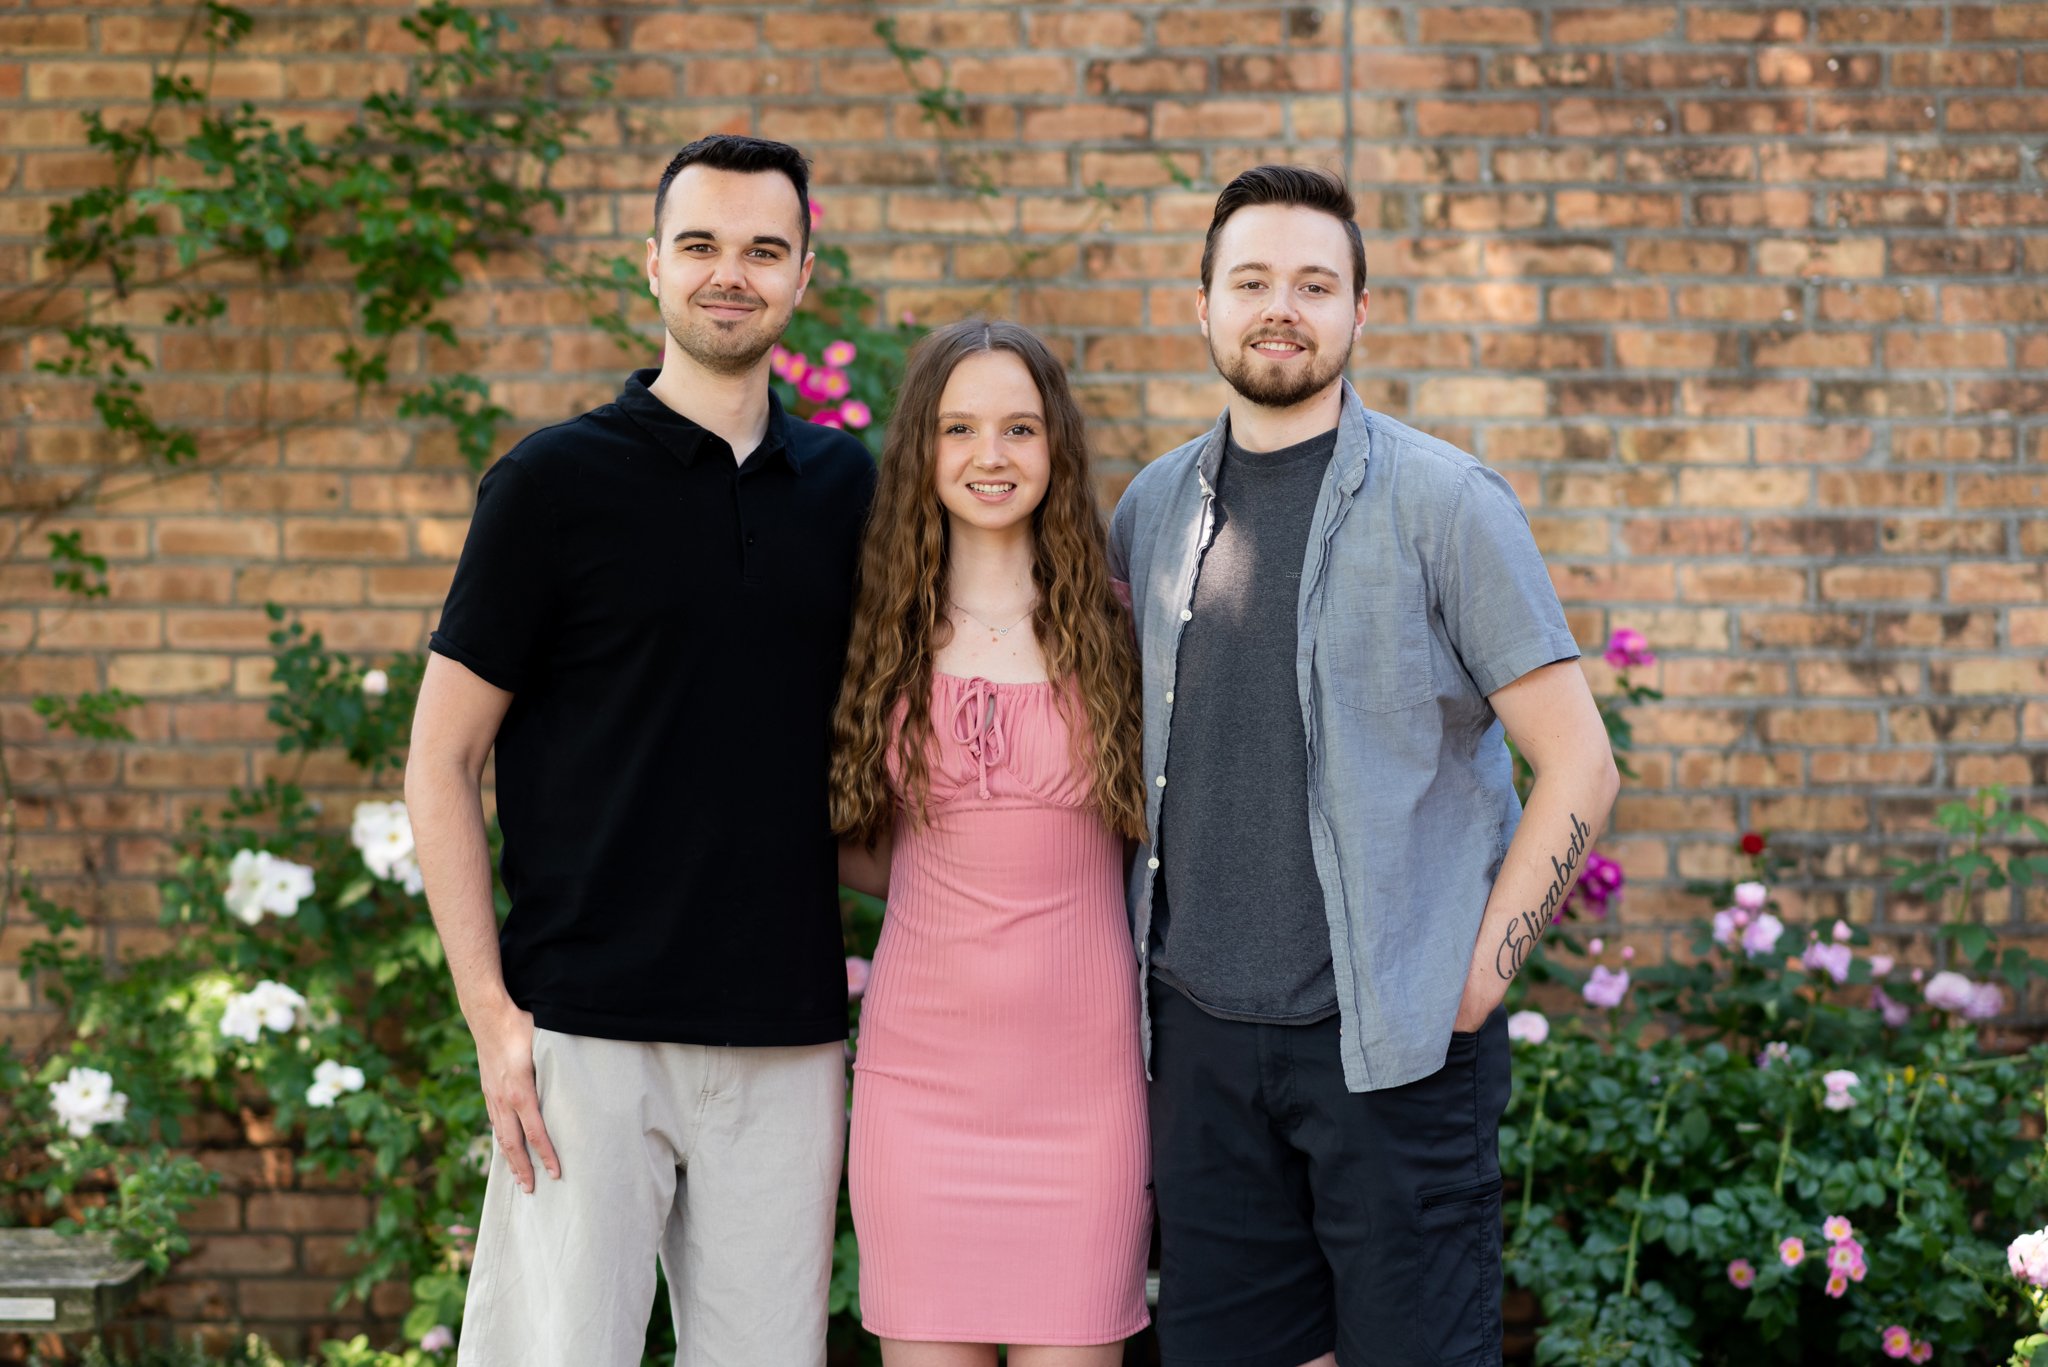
1378	656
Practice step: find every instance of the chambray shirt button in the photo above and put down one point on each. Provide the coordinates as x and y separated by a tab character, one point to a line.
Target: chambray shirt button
1186	615
1161	780
1169	695
1153	862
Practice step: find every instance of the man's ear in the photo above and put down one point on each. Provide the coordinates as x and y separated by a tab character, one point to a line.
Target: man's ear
1202	308
803	280
654	268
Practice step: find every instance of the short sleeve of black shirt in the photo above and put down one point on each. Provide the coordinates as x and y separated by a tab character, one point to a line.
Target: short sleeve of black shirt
672	624
496	612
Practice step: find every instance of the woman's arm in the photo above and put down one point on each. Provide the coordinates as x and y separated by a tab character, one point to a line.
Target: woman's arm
865	868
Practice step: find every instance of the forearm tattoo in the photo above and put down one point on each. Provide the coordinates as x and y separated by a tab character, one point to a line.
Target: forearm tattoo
1527	926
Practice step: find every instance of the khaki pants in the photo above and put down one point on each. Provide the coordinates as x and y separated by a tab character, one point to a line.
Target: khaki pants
724	1161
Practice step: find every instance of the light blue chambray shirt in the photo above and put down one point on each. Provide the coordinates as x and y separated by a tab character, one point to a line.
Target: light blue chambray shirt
1422	592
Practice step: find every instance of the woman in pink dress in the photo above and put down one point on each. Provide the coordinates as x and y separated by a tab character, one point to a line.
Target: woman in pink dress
986	779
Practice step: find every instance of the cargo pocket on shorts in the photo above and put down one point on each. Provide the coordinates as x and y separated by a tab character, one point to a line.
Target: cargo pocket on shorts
1458	1274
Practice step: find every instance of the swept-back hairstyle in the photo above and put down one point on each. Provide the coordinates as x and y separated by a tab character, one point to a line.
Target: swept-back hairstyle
1306	187
736	152
899	620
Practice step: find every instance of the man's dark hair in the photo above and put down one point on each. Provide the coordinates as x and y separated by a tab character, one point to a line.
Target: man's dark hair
733	152
1307	187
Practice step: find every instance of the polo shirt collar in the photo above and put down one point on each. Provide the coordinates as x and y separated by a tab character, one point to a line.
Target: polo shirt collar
689	442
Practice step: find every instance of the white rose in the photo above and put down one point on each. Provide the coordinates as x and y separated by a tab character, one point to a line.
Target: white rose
285	885
244	894
85	1098
383	832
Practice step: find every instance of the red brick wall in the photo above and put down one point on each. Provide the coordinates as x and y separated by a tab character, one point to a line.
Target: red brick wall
1745	301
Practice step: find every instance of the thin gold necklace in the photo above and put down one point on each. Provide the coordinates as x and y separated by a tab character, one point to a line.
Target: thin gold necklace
998	632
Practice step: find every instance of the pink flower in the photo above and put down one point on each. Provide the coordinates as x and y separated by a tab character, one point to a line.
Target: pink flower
817	213
1761	935
1844	1256
1831	959
1627	952
1741	1274
778	360
1727	928
1842	933
1837	1228
835	384
855	413
1950	992
1791	1250
811	384
1751	896
1777	1051
1985	1002
1528	1027
1605	988
1895	1013
1599	885
1839	1084
1627	649
1921	1351
1838	1285
2027	1256
1858	1269
795	367
1897	1342
857	970
829	418
439	1339
1596	945
1880	964
839	354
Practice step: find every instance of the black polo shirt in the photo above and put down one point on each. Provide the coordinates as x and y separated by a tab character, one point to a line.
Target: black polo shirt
672	628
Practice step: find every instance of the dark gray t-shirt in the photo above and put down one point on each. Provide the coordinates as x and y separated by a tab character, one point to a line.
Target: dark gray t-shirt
1239	926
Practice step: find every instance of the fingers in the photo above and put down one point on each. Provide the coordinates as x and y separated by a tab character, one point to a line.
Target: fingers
512	1143
536	1134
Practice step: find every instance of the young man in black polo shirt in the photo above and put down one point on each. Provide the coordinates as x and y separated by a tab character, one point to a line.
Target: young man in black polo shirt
649	622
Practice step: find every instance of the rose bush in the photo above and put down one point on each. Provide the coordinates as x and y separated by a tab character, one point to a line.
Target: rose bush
304	996
1784	1146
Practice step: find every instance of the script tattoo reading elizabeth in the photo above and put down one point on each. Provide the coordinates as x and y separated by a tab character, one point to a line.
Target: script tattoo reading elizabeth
1528	925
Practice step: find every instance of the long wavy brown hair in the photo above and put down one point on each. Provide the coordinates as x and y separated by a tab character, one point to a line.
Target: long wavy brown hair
899	622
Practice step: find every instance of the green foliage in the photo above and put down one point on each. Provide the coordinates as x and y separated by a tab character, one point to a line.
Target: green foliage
1952	881
323	702
251	1352
449	170
74	569
1657	1144
150	1189
363	952
89	716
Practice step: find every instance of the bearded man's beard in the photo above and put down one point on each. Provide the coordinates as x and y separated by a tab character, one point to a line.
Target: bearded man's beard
724	348
1276	386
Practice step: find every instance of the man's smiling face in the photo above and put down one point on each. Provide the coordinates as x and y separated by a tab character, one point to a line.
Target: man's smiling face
1281	310
726	264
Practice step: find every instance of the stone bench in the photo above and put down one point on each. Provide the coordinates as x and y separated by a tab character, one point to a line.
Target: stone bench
62	1283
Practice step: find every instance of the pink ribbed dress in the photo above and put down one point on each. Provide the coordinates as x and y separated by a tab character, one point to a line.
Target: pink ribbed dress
999	1157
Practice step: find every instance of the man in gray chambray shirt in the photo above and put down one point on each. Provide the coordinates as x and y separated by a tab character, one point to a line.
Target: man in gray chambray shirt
1338	617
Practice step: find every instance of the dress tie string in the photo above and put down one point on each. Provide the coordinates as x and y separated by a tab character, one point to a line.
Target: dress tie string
978	725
